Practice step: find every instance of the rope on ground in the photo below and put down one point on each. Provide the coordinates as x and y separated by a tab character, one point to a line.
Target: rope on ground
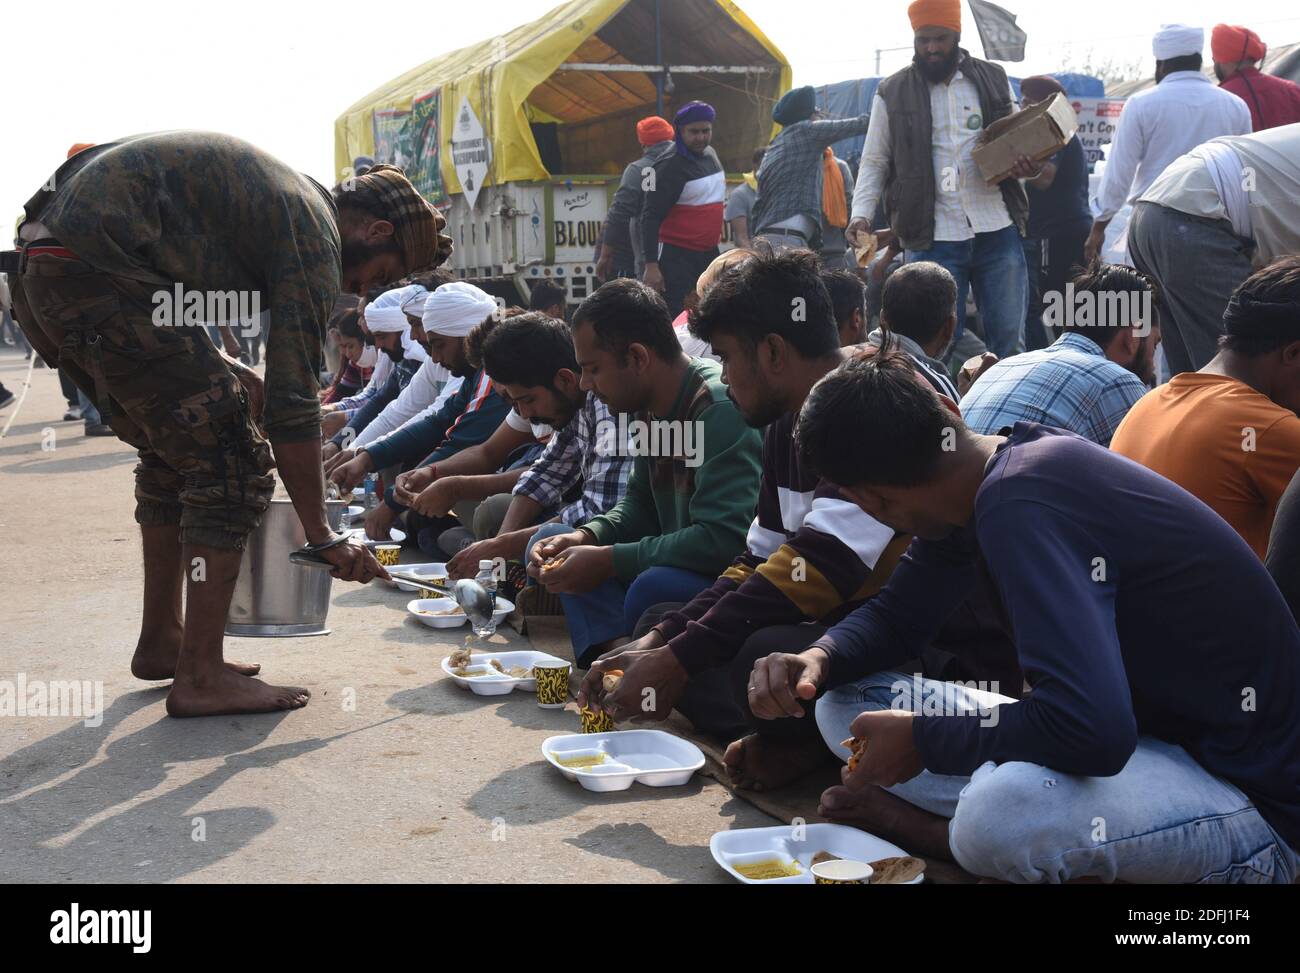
27	384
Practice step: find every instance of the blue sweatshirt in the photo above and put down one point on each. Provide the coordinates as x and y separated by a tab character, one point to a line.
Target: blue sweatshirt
1135	608
466	419
397	380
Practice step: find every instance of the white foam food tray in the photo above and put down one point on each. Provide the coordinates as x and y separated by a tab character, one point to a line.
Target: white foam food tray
493	683
359	535
786	844
650	757
432	570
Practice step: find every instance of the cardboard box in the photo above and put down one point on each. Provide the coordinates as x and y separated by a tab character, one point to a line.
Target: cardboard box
1039	131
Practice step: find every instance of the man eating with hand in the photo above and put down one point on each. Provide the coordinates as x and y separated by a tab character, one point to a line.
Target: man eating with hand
1160	738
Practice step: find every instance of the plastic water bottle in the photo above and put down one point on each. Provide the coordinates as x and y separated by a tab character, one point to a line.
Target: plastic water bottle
371	499
488	579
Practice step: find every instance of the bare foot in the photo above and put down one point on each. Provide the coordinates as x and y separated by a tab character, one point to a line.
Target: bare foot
229	692
872	808
760	763
876	810
156	654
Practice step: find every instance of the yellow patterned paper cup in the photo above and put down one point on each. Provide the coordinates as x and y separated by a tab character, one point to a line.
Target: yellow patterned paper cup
595	721
552	684
387	554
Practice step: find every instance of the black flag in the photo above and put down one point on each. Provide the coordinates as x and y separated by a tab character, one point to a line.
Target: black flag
1002	39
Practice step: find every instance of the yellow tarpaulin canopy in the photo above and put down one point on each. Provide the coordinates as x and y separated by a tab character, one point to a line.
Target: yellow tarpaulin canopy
516	79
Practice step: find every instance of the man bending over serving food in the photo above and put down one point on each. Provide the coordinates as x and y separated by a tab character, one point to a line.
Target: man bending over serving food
811	555
531	363
1160	739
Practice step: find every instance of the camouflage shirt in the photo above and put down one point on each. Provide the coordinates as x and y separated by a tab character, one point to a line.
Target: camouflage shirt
217	216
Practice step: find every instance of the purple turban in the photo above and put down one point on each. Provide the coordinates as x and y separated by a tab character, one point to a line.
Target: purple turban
692	111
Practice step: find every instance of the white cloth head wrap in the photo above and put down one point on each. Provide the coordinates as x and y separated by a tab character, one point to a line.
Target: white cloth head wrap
1177	40
385	313
456	309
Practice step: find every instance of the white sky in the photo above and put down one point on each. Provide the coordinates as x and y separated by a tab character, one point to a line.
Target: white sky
278	73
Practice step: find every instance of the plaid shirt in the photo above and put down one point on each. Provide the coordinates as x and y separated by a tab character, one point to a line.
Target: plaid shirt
571	458
790	177
1071	385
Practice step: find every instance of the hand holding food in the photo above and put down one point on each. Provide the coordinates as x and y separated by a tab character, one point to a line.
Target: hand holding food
782	682
884	752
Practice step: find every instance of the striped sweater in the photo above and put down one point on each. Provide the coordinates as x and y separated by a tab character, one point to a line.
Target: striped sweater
683	206
811	555
466	419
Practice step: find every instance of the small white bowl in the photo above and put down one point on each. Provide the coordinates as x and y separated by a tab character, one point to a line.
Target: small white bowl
418	606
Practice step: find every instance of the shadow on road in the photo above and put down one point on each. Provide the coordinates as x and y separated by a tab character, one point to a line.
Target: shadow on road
157	839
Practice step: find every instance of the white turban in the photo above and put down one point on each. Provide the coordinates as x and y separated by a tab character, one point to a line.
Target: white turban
1177	40
385	313
457	308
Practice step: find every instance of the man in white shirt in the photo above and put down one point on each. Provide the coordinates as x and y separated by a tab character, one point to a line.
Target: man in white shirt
1205	225
432	385
926	122
1184	109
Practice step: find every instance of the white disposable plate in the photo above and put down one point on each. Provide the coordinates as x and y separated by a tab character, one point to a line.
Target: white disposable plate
504	607
359	535
356	513
431	570
752	845
495	684
651	757
417	605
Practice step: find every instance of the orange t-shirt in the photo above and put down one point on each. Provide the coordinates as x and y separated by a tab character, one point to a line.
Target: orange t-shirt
1226	444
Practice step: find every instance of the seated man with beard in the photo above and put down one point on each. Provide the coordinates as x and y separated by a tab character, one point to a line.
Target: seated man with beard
530	361
811	555
426	390
469	417
1088	379
403	355
694	477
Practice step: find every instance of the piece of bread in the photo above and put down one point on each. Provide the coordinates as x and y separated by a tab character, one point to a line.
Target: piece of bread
611	679
896	871
858	748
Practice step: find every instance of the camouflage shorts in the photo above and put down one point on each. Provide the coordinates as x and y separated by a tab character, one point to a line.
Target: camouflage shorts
165	390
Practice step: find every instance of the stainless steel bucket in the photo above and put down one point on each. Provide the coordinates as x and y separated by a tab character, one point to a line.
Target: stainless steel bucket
272	596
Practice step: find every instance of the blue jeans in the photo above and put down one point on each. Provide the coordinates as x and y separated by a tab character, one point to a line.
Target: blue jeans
89	414
1164	818
612	608
994	265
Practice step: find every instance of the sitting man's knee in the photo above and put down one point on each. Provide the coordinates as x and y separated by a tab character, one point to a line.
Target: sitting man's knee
1007	819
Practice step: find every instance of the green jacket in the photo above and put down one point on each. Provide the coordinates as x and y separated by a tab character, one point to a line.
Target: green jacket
691	507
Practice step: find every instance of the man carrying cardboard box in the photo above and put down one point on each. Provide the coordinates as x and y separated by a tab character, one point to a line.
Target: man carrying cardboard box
939	206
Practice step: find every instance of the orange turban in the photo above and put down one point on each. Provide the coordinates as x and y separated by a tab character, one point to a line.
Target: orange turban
1228	45
935	13
652	130
80	147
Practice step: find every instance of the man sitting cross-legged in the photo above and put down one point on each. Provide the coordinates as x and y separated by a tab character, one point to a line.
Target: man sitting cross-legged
918	315
693	483
466	419
1160	740
1088	379
531	363
811	554
1229	433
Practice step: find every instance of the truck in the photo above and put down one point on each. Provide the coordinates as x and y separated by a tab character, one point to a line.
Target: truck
520	140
